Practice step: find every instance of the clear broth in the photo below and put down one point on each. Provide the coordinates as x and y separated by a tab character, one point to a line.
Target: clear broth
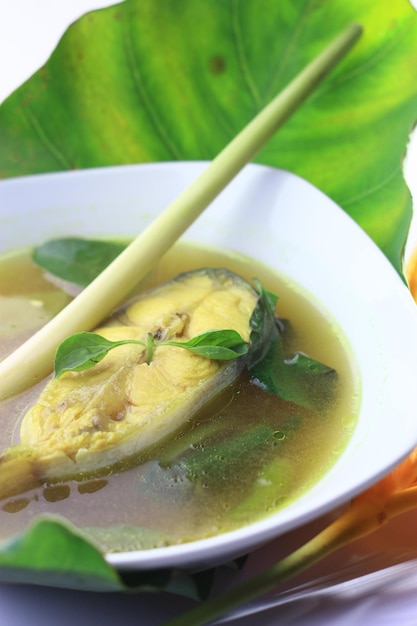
155	503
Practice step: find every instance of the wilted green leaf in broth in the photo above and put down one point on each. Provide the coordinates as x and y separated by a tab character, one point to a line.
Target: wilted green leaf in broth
214	463
296	378
76	260
264	325
182	78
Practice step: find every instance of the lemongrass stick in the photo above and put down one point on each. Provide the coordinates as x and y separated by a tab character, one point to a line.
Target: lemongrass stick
34	359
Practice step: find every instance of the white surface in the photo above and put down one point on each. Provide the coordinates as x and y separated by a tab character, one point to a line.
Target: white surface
28	32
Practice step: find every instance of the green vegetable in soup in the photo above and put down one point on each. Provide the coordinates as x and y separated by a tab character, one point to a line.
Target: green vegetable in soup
216	462
75	259
295	377
211	457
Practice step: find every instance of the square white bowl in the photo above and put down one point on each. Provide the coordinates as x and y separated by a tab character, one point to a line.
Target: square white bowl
291	226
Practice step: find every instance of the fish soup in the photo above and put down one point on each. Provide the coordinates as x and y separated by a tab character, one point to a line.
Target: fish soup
243	455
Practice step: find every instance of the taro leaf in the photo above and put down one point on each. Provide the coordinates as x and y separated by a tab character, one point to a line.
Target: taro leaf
53	553
153	81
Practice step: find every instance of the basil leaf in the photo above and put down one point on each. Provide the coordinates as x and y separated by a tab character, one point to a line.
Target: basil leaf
76	260
263	324
223	345
83	350
298	378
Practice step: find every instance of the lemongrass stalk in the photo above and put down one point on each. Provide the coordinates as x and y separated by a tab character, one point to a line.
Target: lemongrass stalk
362	518
34	359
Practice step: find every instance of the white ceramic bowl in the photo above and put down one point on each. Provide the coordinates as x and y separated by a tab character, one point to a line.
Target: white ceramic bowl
286	223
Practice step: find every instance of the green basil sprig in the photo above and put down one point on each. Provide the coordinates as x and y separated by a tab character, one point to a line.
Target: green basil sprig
83	350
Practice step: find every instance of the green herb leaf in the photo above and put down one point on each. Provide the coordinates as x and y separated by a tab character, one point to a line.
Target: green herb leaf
222	345
83	350
278	467
263	324
213	463
296	378
76	260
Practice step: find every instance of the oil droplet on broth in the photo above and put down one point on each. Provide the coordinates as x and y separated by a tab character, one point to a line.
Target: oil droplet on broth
15	505
92	486
55	493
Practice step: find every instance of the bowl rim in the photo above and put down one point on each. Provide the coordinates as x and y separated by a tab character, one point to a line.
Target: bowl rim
238	541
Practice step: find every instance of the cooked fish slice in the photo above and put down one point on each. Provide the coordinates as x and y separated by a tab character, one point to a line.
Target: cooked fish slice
88	422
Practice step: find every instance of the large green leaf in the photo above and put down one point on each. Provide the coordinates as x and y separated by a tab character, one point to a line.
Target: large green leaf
53	553
152	81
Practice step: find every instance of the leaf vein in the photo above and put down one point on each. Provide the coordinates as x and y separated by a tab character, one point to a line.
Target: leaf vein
141	92
382	53
45	140
291	43
238	41
371	190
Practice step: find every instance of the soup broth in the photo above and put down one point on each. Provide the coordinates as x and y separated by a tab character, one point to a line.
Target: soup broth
244	456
